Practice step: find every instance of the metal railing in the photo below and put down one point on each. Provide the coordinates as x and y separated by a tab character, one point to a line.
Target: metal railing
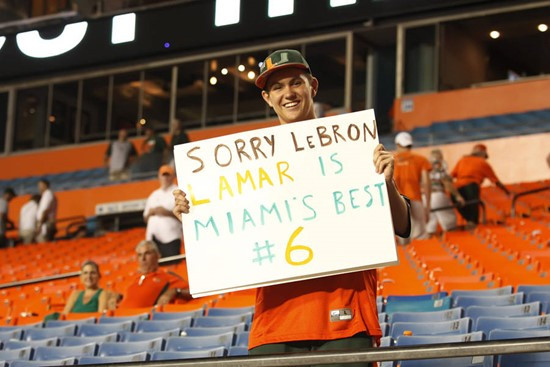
516	196
469	202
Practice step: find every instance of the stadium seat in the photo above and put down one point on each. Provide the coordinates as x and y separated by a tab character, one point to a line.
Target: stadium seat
48	353
483	292
419	297
382	317
523	359
386	341
21	353
228	311
202	331
460	326
528	289
53	362
177	315
242	339
199	342
215	321
237	350
68	341
128	336
16	344
58	323
136	357
44	333
486	324
445	315
123	348
506	300
525	309
203	353
543	298
155	325
118	319
10	334
385	327
102	329
417	305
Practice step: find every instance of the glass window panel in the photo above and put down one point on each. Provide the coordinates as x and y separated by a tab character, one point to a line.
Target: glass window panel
30	118
3	120
125	103
221	89
63	117
156	97
189	94
420	59
93	120
251	104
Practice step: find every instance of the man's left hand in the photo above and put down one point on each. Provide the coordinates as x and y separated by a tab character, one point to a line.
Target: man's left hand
383	162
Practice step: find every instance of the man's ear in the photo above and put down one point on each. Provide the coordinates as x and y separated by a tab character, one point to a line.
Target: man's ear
314	86
265	96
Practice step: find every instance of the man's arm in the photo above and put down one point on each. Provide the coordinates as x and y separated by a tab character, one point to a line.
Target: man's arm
501	186
448	184
427	188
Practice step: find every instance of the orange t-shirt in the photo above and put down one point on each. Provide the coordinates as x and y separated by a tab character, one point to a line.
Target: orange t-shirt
329	308
407	173
471	169
145	289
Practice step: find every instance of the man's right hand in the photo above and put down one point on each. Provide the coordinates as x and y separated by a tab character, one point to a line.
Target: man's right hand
181	204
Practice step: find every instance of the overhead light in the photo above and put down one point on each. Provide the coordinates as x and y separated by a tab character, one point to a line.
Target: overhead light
227	12
336	3
494	34
224	71
33	45
51	119
142	122
124	28
241	68
278	8
251	60
541	27
213	80
2	40
251	75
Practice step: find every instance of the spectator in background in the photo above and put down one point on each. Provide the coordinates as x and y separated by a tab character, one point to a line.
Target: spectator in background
7	196
179	136
92	298
119	156
441	183
163	227
469	173
152	286
46	214
411	174
27	219
153	148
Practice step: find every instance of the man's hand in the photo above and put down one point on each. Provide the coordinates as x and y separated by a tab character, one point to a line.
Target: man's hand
383	162
181	204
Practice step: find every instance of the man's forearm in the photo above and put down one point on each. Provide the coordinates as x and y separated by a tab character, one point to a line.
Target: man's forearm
399	209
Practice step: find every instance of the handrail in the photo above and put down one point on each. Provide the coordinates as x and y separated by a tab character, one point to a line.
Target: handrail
74	274
469	202
516	196
482	348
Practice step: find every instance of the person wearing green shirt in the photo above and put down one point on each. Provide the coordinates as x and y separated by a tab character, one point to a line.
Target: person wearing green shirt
92	298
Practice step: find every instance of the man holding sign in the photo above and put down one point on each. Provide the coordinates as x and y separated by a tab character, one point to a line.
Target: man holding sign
337	312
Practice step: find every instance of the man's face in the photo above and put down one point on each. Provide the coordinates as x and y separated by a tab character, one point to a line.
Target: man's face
42	187
165	180
290	93
148	259
122	135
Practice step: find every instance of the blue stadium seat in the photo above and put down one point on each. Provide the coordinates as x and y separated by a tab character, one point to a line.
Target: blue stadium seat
237	350
199	342
460	326
202	331
386	341
57	323
128	336
543	298
486	324
202	353
21	353
48	353
214	321
53	362
525	309
123	348
436	339
16	344
177	315
228	311
528	289
10	334
483	292
420	305
242	339
136	357
505	300
44	333
445	315
68	341
380	307
102	329
524	359
385	327
162	325
117	319
382	317
420	297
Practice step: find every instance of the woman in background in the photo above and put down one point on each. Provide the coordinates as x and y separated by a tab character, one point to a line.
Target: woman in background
92	298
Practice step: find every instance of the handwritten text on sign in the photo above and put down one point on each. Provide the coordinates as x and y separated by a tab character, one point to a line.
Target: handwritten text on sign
286	203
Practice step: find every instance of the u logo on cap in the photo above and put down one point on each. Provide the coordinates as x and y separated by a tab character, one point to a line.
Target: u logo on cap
268	63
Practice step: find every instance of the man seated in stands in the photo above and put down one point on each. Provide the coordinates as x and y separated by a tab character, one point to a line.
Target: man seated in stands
4	220
151	285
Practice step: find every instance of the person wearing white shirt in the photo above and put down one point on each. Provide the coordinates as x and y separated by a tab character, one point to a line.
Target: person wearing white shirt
27	219
5	223
46	214
163	227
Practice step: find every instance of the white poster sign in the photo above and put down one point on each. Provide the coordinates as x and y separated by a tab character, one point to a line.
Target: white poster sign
285	203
